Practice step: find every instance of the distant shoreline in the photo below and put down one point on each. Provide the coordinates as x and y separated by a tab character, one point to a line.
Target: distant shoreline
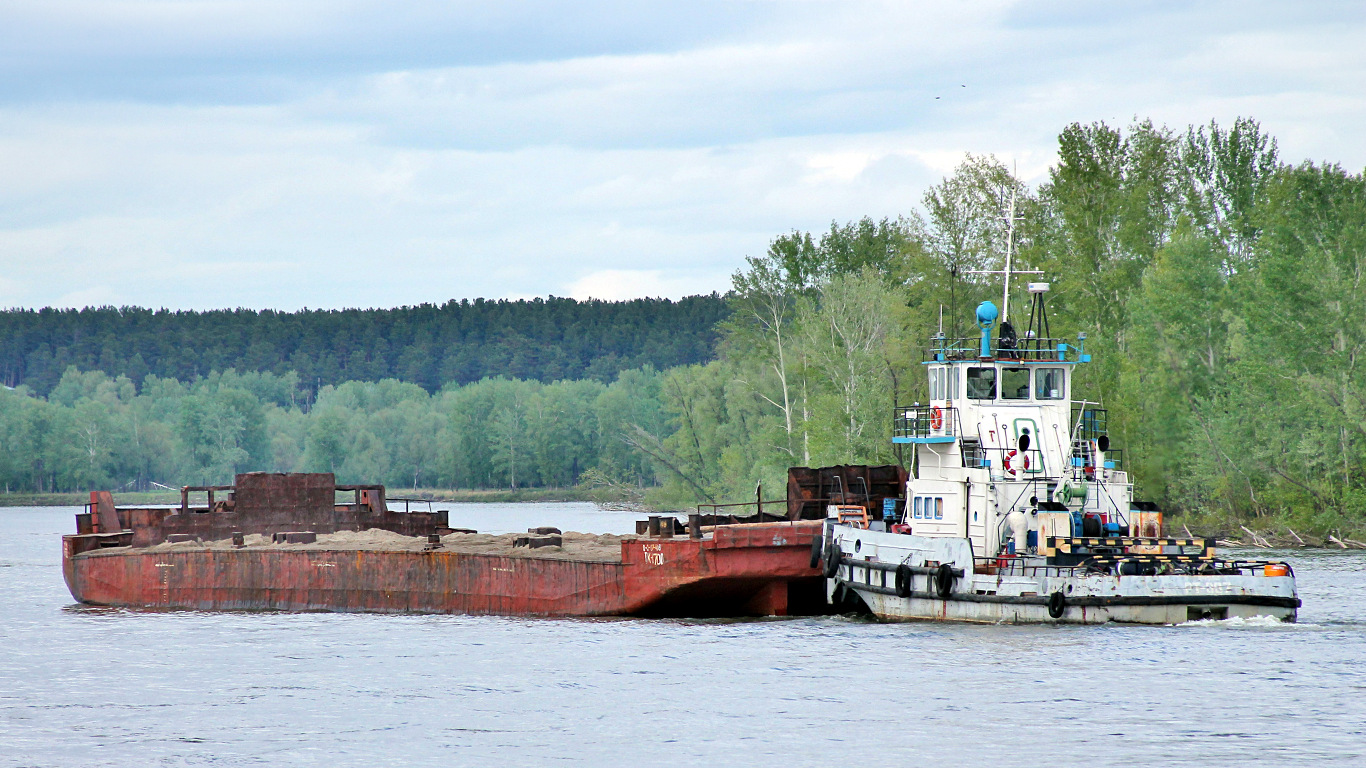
507	495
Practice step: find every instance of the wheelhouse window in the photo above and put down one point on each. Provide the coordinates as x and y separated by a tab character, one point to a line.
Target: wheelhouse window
982	383
943	383
1050	384
1014	383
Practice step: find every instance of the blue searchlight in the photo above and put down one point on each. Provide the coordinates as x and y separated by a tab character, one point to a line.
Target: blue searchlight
986	317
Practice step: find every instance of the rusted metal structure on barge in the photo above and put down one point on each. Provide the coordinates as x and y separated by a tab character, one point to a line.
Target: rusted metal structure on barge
216	557
260	502
810	491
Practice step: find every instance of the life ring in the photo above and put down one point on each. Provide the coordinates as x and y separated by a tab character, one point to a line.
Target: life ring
1005	464
903	580
943	581
1057	603
832	560
936	418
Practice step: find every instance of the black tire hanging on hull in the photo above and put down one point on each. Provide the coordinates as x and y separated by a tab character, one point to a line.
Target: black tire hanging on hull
1057	605
943	581
832	560
903	581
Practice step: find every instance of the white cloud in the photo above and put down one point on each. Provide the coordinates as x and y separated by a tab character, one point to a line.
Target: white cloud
618	284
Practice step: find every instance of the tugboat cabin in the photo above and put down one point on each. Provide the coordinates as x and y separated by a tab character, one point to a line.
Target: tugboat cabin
1003	456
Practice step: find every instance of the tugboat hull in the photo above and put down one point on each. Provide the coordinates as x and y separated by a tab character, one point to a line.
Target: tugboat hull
901	577
1172	609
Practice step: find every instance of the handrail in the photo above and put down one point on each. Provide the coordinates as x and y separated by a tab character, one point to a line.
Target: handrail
918	421
1027	349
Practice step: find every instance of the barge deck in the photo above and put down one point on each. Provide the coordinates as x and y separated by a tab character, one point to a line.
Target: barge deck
280	542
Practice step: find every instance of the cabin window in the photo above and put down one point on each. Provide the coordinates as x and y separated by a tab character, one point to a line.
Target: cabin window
1015	383
943	384
1050	384
928	508
982	383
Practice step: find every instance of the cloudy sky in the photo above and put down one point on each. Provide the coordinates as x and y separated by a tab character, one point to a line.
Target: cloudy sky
224	153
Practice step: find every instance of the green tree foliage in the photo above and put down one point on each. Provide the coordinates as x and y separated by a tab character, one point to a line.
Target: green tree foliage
808	372
1220	290
966	230
100	432
1222	294
431	346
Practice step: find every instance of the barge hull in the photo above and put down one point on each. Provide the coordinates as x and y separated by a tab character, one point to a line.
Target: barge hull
759	569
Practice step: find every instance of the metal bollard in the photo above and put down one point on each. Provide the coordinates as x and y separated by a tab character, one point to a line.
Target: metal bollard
694	526
238	540
653	530
666	527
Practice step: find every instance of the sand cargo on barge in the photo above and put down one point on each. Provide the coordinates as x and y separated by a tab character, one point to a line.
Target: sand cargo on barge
283	542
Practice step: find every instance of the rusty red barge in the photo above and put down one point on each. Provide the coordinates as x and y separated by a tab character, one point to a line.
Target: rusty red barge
283	542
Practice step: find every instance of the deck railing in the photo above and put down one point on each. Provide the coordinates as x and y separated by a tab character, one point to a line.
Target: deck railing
970	348
924	421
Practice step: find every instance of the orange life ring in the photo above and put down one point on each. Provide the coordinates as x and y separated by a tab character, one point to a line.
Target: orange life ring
1013	453
936	418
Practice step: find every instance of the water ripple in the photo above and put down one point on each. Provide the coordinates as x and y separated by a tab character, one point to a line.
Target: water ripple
111	687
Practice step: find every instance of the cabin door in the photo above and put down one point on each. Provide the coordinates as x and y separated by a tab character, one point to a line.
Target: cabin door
1030	427
975	515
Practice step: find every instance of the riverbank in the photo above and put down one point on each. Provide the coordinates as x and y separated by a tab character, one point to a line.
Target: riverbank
506	495
1270	532
75	499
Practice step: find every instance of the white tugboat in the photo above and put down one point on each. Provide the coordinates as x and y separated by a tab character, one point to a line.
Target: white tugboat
1019	509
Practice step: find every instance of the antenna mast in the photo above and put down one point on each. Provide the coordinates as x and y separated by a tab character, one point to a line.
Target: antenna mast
1010	218
1010	247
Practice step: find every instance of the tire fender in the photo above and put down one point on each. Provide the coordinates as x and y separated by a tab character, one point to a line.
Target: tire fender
1057	605
943	580
903	581
832	560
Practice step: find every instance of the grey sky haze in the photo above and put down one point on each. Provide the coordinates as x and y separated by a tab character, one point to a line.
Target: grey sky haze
222	153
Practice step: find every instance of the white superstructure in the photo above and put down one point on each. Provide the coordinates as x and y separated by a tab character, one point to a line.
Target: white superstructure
1019	509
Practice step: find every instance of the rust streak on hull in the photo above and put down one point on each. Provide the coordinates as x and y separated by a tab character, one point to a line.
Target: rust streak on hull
740	570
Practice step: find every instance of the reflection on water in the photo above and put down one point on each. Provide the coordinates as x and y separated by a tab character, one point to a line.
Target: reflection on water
92	686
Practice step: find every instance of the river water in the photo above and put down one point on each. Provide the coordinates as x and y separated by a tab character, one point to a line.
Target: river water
89	686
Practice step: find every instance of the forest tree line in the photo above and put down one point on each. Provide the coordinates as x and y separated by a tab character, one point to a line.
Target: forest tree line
428	345
1220	289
